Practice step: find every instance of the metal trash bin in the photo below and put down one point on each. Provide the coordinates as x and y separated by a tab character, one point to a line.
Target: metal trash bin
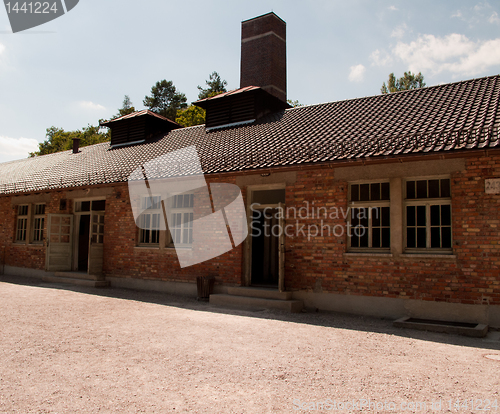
205	285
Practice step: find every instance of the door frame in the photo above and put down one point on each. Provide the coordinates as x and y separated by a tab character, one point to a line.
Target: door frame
76	228
247	245
49	243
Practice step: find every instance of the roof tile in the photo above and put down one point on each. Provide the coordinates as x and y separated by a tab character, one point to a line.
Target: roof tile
450	117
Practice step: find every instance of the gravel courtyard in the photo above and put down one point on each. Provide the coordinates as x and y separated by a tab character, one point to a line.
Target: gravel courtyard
80	350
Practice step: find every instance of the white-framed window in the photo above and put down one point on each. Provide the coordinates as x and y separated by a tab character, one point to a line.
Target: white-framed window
149	220
181	219
370	218
22	223
30	223
428	215
38	223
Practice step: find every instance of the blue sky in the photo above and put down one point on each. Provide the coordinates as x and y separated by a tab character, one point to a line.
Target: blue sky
76	69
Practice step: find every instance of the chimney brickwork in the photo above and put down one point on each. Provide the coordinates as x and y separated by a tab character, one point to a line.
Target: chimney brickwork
263	54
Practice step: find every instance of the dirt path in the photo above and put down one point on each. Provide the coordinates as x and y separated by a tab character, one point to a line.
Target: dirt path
118	351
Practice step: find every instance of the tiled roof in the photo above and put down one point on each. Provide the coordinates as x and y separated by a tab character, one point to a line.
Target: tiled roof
229	93
452	117
137	114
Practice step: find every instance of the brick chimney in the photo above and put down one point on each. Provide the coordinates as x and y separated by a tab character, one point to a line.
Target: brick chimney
76	145
263	54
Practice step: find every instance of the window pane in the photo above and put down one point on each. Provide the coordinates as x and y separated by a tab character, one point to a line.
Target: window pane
85	206
363	219
421	221
269	196
354	238
155	236
145	238
435	237
446	215
435	216
375	192
156	221
364	192
386	237
363	240
355	217
39	209
99	205
422	189
386	216
355	192
385	194
446	237
445	188
376	242
433	188
410	216
410	237
410	190
421	238
376	216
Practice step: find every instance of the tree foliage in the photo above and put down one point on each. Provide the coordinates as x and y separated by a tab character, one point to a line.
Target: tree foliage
294	104
127	107
165	100
215	84
194	115
191	116
57	139
404	83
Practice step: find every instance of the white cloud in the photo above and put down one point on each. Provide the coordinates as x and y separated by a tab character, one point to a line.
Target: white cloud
494	18
481	6
15	149
380	58
91	106
399	31
454	53
393	8
357	73
458	14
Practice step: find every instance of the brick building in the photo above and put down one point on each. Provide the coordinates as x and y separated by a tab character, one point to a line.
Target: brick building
389	204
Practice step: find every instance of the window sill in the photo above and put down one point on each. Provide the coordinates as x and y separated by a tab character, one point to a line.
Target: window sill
147	247
367	254
158	248
24	244
440	256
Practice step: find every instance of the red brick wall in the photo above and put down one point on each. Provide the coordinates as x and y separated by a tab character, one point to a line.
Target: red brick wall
124	259
472	278
19	254
317	264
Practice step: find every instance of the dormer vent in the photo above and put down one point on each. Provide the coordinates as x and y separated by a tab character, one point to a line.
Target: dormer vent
138	127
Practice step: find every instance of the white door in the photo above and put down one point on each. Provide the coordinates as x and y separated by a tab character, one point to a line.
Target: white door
59	242
96	251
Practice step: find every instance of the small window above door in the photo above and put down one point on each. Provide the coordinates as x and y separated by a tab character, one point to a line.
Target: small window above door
88	206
